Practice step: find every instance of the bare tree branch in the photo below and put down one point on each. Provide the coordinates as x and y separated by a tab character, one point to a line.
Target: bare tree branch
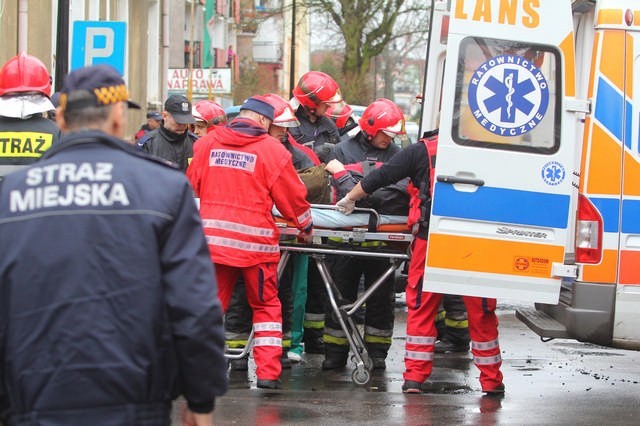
367	28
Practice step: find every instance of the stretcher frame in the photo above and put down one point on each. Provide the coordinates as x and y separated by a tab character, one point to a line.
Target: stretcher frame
398	252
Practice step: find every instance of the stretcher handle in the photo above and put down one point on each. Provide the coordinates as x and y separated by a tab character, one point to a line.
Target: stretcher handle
374	217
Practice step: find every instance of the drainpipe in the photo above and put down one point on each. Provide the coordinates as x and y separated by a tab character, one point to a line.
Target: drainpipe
165	49
23	15
62	44
292	63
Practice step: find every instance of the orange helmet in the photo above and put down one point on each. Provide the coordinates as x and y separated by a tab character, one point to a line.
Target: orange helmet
24	74
283	115
382	115
339	113
316	87
209	112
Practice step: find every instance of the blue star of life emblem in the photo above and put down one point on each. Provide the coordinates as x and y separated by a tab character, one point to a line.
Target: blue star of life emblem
553	173
508	95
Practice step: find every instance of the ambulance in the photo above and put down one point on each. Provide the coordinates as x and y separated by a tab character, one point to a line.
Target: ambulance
537	178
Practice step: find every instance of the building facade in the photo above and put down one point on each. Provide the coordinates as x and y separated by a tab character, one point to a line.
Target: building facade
164	35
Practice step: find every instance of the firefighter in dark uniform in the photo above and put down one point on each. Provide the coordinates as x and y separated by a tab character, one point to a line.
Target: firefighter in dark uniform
108	296
25	133
379	124
313	95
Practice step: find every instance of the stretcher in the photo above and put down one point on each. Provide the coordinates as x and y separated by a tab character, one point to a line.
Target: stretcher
337	234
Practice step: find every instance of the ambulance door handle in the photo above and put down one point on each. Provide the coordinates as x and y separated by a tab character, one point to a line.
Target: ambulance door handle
456	179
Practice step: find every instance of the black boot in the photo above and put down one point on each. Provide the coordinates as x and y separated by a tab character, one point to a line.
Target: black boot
312	339
378	353
335	356
448	345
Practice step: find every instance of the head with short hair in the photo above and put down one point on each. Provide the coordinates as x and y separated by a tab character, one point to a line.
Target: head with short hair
94	97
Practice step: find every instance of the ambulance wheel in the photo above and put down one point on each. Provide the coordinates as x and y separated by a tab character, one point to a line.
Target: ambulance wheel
360	376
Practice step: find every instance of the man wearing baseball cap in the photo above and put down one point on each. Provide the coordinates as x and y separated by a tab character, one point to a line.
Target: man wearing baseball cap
123	316
240	172
172	140
154	119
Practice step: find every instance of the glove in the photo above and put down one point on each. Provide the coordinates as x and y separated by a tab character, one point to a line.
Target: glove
346	205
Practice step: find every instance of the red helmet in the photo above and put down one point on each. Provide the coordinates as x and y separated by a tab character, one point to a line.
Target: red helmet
283	114
23	74
209	112
339	113
382	115
316	87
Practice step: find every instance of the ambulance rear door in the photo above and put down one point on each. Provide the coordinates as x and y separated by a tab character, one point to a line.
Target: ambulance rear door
506	171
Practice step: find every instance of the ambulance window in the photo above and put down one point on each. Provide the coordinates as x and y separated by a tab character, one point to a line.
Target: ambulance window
508	96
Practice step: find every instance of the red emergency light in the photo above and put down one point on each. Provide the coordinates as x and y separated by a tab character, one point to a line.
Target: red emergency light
588	232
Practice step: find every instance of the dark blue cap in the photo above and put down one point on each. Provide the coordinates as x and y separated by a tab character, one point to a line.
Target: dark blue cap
102	84
260	105
155	115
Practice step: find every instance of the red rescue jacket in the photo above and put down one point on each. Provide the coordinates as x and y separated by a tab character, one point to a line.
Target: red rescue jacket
240	172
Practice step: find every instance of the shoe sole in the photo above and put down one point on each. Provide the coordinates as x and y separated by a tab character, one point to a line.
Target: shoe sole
412	391
269	386
495	392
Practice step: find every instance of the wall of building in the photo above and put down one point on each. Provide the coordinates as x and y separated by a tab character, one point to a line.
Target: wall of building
148	52
39	22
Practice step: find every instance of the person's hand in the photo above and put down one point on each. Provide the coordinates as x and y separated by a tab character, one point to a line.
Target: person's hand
346	205
189	418
334	166
305	236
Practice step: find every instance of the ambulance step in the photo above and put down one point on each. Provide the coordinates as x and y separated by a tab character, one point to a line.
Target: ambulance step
542	323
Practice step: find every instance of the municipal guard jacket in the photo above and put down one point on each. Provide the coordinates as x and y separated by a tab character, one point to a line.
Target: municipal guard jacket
411	162
108	301
240	172
23	141
175	147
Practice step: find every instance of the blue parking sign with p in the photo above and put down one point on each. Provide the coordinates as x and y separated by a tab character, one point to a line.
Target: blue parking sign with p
98	42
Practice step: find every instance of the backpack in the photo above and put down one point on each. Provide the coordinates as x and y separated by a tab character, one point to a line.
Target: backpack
318	183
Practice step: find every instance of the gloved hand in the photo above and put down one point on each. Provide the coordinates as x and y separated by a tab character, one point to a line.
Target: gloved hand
346	205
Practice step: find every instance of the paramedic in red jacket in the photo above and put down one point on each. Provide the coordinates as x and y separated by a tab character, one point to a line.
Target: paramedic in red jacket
413	162
239	173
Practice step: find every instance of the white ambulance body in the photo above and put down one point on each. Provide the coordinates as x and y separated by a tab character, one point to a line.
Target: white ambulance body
537	193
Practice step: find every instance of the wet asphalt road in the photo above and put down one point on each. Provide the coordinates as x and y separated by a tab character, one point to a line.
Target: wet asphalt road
562	382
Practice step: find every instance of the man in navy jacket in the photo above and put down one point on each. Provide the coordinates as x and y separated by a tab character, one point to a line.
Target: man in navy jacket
108	299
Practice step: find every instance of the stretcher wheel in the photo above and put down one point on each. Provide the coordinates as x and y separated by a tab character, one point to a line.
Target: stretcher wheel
360	376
